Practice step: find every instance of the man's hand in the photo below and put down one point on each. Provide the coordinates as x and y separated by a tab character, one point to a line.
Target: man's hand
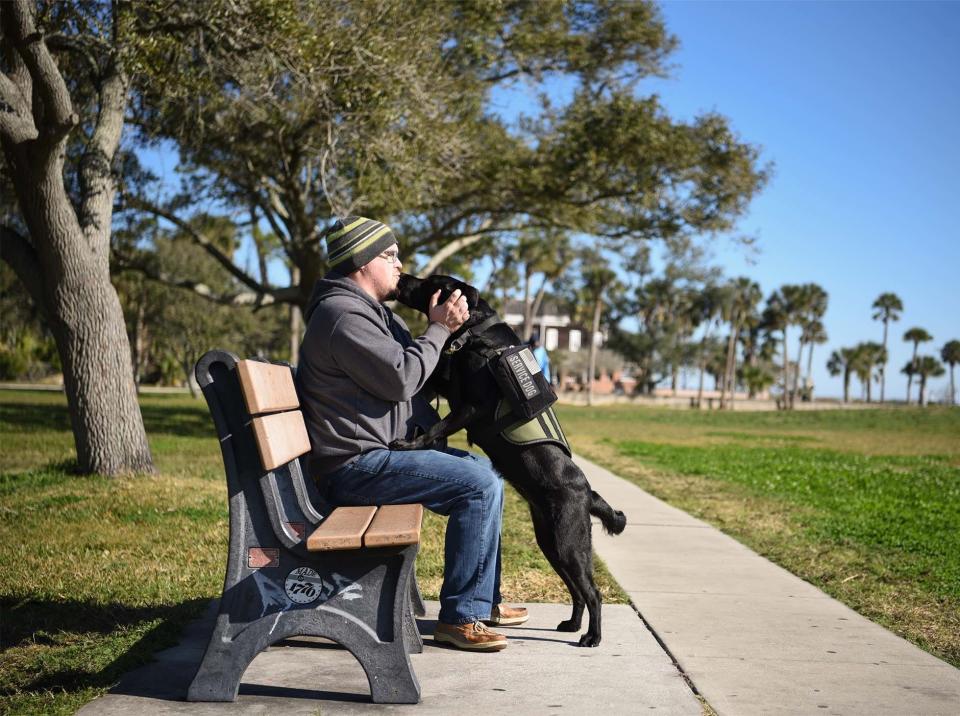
452	313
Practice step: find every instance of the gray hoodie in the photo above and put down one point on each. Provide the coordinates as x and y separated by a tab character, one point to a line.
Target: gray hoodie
359	373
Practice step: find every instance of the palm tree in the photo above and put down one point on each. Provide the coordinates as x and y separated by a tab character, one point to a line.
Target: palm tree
841	361
886	308
707	309
927	366
866	357
950	353
776	317
797	298
743	297
915	335
813	333
809	307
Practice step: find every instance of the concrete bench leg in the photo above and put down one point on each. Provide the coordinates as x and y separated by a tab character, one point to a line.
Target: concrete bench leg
387	665
419	608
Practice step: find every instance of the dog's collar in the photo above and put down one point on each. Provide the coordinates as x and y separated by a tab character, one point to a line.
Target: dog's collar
461	340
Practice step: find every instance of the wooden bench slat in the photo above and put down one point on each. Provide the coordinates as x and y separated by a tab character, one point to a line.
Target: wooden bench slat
394	525
266	387
343	529
280	438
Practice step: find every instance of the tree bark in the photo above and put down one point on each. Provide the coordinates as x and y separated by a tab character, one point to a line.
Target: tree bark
807	383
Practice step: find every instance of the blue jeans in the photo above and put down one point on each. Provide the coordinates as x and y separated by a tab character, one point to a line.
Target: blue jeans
455	483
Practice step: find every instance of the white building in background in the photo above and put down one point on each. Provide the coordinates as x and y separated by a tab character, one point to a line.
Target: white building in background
553	325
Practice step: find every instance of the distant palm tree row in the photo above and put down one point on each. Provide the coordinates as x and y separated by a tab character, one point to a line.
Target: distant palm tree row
762	334
868	360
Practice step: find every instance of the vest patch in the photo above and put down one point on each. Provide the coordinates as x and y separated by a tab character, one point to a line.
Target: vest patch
543	428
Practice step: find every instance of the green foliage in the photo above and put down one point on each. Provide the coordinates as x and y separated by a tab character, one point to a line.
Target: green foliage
310	111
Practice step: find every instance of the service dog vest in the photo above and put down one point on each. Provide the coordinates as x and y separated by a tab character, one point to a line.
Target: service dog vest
543	428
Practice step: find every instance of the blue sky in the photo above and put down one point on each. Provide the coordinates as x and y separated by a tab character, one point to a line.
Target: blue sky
857	104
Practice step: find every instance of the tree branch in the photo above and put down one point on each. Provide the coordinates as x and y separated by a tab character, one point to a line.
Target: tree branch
236	298
98	184
201	240
18	22
20	255
453	247
16	120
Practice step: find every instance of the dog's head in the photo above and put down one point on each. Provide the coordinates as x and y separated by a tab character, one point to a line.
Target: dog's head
416	292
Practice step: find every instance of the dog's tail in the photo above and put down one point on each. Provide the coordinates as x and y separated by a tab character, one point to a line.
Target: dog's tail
614	521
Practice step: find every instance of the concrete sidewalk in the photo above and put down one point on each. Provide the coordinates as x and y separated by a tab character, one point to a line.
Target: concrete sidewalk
542	671
753	638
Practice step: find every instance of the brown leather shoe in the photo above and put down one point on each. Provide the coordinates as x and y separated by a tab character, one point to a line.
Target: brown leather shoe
472	637
502	615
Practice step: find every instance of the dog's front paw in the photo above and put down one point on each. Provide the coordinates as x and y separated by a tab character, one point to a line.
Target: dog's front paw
569	625
403	445
589	639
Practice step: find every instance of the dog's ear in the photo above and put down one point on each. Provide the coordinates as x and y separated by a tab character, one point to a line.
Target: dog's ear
472	294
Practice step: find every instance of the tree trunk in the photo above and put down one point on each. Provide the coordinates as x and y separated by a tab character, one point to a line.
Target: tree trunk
86	320
527	305
923	389
732	367
703	366
296	321
869	383
786	370
65	262
846	385
883	367
597	307
187	366
953	394
913	362
796	375
139	342
807	383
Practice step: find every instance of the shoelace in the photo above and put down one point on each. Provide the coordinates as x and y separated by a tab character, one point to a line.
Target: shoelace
480	627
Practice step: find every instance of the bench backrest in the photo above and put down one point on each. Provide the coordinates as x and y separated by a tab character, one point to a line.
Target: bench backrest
262	436
270	395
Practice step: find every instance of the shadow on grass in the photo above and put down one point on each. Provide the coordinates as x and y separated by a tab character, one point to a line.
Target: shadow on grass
181	420
44	622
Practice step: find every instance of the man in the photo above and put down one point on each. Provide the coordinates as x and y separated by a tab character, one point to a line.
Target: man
359	374
540	353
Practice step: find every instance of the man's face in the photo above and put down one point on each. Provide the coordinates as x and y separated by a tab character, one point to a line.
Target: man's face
385	273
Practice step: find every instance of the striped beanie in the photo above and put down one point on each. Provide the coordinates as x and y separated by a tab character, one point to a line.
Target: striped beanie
355	241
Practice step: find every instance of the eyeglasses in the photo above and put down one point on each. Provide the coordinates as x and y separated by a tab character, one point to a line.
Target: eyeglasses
391	257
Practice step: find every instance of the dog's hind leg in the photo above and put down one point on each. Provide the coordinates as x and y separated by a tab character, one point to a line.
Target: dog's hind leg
575	559
546	540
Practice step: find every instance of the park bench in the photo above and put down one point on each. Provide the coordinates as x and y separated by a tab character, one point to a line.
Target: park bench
296	567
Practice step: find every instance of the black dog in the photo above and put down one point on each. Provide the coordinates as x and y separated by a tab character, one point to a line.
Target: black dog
557	491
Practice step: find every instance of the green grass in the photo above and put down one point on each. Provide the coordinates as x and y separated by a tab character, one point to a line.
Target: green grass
865	504
96	574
